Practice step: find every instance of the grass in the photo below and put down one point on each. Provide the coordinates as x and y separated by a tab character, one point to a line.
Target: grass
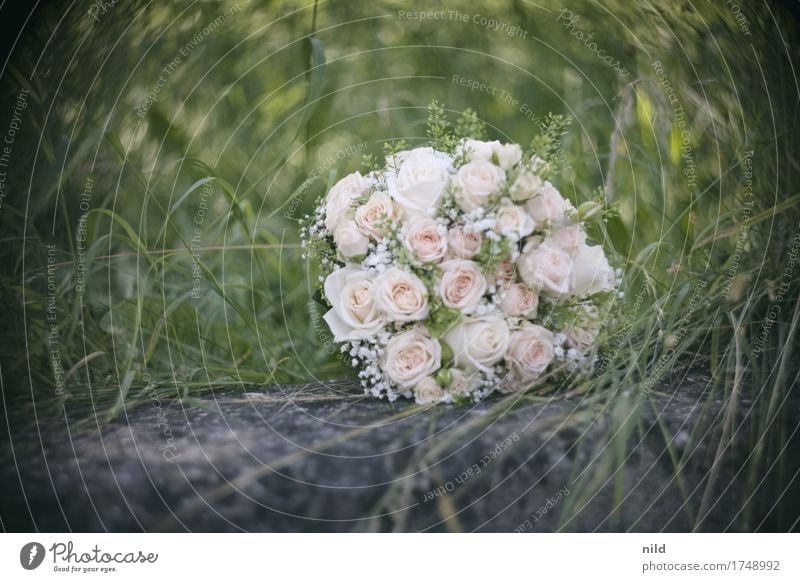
276	93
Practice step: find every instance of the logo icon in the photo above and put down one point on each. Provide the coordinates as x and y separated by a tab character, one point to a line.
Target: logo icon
31	555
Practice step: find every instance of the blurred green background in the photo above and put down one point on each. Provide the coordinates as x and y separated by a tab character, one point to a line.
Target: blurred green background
166	147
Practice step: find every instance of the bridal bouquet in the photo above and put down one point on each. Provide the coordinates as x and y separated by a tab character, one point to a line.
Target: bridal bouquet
458	269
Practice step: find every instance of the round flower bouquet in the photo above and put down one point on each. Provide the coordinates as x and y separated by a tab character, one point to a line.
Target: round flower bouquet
458	269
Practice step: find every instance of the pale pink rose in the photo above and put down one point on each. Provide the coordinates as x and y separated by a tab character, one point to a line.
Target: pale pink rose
411	356
519	300
349	241
353	313
341	197
401	296
426	239
530	351
511	219
546	269
428	391
548	206
462	243
568	238
478	343
476	183
580	338
462	382
374	217
462	284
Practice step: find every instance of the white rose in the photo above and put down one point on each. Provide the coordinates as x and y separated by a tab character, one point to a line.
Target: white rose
548	206
519	300
462	382
427	239
349	240
513	220
428	391
374	216
341	196
476	182
479	150
530	351
546	268
526	185
401	295
568	238
462	284
479	343
508	155
419	182
591	272
353	314
462	243
411	356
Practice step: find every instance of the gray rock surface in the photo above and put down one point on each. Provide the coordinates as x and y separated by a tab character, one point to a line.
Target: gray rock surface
324	458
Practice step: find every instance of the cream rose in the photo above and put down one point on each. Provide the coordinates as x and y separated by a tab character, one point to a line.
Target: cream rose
419	182
508	155
477	181
519	300
462	382
591	272
353	314
401	296
475	149
530	351
462	284
349	240
427	239
513	220
479	343
411	356
428	391
462	243
546	269
341	196
374	216
526	185
568	238
548	206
